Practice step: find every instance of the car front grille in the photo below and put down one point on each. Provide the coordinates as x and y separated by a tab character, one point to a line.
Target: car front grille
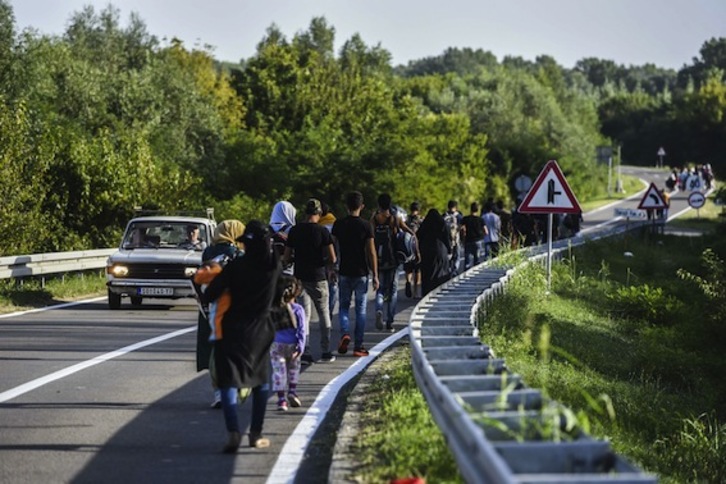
156	271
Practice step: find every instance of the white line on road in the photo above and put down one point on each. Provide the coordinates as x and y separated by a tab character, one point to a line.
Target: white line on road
39	382
292	453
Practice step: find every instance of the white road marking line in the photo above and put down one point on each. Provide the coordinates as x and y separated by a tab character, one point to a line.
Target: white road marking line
39	382
292	453
48	308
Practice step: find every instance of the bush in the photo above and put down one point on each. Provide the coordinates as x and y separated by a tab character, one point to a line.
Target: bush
635	304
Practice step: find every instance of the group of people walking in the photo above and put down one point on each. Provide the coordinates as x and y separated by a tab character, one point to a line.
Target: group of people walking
258	284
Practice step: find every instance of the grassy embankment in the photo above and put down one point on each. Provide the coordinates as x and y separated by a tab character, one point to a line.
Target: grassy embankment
616	333
16	295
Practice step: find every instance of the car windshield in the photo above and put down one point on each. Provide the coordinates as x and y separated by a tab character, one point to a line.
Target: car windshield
165	235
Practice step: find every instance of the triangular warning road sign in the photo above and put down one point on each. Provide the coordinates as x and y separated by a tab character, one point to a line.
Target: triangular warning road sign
550	193
652	199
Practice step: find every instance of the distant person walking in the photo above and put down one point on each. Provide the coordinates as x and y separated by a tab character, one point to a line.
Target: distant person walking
310	245
386	225
453	220
413	267
435	245
474	232
493	224
242	355
358	263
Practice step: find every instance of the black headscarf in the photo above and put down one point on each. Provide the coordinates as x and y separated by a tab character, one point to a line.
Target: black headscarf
258	244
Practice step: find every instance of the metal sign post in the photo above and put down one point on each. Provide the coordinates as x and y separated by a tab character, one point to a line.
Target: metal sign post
550	194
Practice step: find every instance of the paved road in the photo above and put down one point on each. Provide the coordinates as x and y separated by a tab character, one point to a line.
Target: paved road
91	395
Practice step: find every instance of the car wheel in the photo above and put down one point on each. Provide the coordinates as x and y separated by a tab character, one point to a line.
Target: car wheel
136	300
114	300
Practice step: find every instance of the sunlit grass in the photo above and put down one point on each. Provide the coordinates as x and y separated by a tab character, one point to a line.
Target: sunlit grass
399	437
626	328
631	185
16	295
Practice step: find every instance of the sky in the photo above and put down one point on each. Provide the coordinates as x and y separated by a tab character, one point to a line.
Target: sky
667	33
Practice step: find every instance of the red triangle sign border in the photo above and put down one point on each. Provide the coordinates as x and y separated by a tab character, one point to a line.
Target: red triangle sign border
652	191
526	205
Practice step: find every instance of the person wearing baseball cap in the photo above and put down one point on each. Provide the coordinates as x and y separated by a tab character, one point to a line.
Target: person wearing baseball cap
310	246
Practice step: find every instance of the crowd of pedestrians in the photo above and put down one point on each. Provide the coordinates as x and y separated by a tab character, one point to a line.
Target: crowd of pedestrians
259	283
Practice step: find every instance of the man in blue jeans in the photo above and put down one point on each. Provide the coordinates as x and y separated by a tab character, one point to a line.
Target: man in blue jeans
386	225
357	261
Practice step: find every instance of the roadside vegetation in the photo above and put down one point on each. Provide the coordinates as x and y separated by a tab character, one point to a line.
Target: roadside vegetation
17	295
107	116
632	345
399	438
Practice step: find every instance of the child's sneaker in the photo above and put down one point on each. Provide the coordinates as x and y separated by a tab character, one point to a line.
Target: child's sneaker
282	405
343	346
294	400
379	320
360	352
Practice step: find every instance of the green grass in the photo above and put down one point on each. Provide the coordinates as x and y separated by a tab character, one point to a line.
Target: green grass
17	295
628	330
631	185
704	219
399	438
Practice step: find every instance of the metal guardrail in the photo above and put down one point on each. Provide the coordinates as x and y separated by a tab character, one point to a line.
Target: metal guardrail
491	420
53	263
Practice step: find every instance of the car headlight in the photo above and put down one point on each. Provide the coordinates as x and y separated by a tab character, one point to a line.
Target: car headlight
117	270
190	271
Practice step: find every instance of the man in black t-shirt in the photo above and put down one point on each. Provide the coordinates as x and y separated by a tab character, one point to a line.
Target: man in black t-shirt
357	261
474	231
311	246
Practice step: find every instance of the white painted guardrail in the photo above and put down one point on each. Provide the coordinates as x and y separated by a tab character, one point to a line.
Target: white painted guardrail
53	263
493	423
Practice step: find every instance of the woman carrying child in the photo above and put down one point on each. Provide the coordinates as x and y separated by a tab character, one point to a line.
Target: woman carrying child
289	319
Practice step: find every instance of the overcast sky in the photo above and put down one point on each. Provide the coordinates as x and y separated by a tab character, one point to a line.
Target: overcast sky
668	33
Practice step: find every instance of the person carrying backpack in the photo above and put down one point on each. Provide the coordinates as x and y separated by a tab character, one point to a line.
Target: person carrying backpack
386	225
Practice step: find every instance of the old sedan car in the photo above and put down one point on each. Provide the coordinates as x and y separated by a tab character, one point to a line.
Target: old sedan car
157	257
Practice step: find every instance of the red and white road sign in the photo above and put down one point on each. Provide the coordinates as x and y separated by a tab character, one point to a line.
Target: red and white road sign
696	200
550	193
652	199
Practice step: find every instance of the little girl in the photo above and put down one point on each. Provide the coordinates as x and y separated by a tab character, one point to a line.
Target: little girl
289	319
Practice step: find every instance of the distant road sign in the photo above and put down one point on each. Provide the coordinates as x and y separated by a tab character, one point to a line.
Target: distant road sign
630	213
661	151
550	193
652	199
694	182
522	183
696	200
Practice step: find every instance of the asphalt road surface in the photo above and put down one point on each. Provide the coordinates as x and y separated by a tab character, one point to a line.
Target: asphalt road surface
90	395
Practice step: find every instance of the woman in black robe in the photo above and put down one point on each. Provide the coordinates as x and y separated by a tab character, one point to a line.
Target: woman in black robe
242	356
435	247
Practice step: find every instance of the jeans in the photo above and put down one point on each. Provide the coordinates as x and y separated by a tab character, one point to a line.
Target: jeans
387	291
472	250
348	287
260	393
316	293
332	295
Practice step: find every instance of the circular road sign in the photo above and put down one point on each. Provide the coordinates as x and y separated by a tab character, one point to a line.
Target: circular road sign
523	183
696	200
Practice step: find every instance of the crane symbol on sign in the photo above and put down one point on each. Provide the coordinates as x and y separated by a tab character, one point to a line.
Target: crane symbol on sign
551	191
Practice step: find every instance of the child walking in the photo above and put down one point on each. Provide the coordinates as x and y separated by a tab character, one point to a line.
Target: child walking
285	352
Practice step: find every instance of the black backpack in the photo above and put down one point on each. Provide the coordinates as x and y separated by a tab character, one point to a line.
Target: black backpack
383	238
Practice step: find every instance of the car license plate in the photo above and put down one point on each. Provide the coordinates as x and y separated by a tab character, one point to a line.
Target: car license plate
156	291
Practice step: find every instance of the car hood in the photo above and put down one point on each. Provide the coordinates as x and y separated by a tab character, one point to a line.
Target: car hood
159	256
